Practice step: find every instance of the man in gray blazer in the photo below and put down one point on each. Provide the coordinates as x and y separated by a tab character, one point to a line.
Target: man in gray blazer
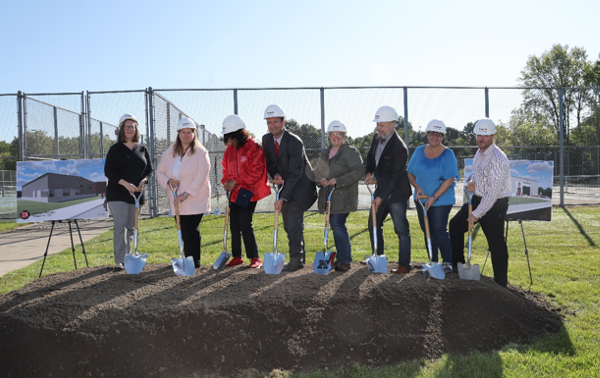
286	160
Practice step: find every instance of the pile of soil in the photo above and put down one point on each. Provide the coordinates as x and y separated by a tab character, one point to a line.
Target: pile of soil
96	323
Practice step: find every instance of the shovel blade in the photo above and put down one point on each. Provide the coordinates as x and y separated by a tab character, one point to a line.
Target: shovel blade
323	262
377	264
134	263
468	272
273	263
433	270
183	266
222	260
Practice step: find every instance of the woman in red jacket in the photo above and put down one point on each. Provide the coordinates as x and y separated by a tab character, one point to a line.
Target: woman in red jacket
245	177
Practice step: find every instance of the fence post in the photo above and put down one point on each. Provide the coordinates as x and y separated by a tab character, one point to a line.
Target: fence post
86	141
487	102
89	123
24	155
55	111
322	91
406	116
562	146
235	101
20	123
152	149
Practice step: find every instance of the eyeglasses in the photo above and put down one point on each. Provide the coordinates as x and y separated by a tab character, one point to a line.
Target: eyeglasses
129	127
336	134
434	134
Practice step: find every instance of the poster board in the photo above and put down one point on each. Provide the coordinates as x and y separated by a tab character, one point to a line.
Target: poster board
531	183
60	190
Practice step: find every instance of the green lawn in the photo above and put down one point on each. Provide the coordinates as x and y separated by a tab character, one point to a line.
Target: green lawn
564	256
5	226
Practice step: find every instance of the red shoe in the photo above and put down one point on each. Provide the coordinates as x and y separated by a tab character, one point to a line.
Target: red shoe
255	263
235	261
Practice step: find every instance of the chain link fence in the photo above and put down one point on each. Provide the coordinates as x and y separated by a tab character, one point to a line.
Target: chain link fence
83	125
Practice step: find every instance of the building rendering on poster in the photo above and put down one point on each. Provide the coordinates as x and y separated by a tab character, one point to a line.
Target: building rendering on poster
531	183
60	190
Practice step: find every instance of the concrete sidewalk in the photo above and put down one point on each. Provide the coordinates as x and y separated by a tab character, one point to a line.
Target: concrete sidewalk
27	244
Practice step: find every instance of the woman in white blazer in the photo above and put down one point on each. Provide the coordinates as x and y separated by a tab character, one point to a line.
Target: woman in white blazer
186	166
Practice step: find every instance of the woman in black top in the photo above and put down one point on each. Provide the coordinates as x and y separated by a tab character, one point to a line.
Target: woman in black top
128	167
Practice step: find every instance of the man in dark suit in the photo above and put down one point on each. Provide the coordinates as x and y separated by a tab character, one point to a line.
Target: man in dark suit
387	162
286	160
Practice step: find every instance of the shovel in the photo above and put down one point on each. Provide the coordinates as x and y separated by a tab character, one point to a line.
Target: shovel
225	255
375	263
134	263
468	271
273	262
431	269
183	266
324	260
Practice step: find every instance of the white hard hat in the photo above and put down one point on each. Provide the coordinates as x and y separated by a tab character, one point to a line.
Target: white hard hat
437	126
336	126
386	114
233	123
186	123
274	110
127	116
484	126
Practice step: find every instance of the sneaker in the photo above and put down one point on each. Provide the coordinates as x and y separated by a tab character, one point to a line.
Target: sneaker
235	261
255	263
447	267
343	267
119	267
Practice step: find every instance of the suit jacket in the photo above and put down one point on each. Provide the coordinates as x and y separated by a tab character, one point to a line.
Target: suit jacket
194	179
392	180
294	168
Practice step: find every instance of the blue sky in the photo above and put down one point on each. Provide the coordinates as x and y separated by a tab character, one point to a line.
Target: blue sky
91	169
69	46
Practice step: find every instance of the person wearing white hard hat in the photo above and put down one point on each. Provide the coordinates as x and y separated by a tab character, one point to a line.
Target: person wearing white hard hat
245	178
340	166
127	167
386	162
186	166
432	171
490	181
286	160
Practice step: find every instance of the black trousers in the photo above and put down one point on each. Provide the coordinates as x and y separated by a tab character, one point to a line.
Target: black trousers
492	225
190	233
240	221
293	223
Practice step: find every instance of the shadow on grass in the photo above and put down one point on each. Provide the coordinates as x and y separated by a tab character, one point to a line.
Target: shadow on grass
580	228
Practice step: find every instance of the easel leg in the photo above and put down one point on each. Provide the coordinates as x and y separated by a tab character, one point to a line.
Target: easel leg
526	252
72	245
82	246
47	246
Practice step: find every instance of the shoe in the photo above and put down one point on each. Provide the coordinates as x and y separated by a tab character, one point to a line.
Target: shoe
255	263
235	261
401	270
447	267
343	267
336	264
290	267
119	267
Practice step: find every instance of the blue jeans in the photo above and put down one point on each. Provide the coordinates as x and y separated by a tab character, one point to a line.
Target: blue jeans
341	237
438	229
398	212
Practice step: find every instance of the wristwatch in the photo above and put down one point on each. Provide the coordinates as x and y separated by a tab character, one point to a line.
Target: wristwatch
185	194
435	198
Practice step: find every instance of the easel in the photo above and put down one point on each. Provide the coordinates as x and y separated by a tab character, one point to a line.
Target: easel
524	244
72	245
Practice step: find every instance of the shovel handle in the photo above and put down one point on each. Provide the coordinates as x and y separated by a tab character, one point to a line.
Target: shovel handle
226	222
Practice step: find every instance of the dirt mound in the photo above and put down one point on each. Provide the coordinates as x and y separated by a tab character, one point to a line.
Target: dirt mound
93	322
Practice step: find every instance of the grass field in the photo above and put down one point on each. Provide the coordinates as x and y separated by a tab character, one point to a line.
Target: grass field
564	257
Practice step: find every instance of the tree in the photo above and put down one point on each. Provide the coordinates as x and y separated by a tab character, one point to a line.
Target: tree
557	68
529	128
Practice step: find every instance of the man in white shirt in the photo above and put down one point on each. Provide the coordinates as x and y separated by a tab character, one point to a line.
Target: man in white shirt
491	179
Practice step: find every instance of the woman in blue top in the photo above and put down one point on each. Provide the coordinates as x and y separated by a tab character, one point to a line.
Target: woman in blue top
432	170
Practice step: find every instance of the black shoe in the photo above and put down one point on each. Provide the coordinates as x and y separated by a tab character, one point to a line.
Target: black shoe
343	267
292	267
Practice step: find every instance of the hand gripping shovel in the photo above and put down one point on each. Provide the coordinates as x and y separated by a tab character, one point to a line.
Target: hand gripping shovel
324	260
468	271
375	263
183	266
273	262
430	269
134	263
225	255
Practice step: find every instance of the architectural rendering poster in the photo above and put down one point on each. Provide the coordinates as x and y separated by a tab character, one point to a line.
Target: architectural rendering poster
531	183
61	190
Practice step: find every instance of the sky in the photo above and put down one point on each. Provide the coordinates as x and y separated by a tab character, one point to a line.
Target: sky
69	46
